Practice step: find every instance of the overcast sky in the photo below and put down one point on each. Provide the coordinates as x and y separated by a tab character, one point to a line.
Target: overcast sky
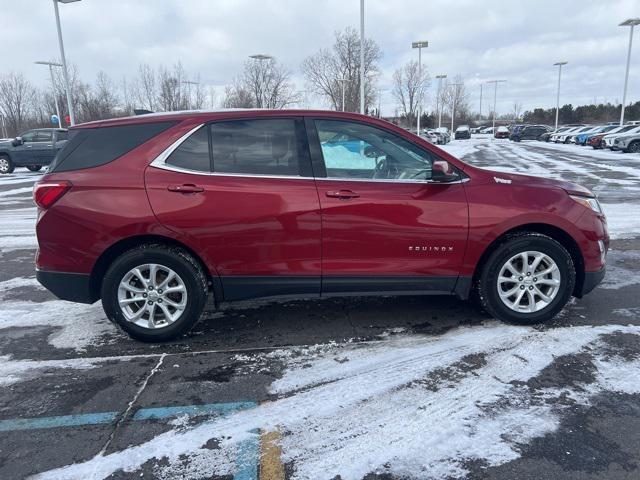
516	40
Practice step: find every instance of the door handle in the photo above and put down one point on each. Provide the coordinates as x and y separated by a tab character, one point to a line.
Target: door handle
342	194
186	188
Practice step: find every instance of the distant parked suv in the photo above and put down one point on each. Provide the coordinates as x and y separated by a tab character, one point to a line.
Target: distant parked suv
32	149
463	132
529	132
628	143
153	214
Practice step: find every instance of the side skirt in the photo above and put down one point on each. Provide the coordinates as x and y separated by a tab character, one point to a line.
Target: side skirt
243	287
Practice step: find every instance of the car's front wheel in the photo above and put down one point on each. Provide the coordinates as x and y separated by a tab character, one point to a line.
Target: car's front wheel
634	147
527	279
6	165
154	293
34	168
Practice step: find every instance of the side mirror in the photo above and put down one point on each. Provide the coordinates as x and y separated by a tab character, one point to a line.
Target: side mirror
17	141
443	172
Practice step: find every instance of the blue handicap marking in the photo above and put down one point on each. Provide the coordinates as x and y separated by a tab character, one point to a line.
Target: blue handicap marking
247	457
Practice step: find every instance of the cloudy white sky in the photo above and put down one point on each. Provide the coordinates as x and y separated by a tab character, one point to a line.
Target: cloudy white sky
516	40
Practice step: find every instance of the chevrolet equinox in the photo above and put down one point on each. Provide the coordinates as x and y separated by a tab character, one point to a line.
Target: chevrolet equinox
152	214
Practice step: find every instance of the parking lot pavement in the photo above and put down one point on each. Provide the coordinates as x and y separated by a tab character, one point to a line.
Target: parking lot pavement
421	387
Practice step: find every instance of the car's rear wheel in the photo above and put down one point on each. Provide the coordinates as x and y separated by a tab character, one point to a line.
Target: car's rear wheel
6	165
154	293
34	168
527	279
634	147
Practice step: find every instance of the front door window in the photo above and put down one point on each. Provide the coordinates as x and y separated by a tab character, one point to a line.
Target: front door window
356	151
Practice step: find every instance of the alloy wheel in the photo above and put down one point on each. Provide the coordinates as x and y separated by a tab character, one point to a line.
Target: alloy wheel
152	296
4	165
528	282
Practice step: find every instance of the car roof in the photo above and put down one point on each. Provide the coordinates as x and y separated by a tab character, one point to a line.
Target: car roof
220	114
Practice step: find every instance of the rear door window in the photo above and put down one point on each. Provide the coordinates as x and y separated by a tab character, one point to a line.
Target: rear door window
273	146
44	136
92	147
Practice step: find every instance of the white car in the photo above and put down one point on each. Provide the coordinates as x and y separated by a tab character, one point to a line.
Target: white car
430	136
628	142
608	141
560	137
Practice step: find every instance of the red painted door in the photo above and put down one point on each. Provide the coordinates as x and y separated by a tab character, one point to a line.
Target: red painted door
381	214
249	205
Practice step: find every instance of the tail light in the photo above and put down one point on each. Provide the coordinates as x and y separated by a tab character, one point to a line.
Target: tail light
46	194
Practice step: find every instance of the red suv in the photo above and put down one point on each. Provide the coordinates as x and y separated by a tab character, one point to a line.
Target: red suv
152	214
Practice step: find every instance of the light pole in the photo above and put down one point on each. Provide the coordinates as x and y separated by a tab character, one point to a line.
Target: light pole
480	114
632	22
419	45
362	57
53	87
4	127
342	81
453	102
189	83
559	65
495	99
65	71
260	57
439	110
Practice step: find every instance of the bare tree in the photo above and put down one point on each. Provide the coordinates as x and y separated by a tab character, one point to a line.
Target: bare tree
455	95
197	97
325	69
237	96
409	89
16	98
517	110
97	102
146	87
170	94
269	83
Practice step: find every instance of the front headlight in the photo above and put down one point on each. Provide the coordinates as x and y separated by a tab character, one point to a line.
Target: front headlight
589	202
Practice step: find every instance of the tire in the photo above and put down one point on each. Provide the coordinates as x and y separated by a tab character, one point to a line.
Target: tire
6	165
487	289
190	277
634	147
34	168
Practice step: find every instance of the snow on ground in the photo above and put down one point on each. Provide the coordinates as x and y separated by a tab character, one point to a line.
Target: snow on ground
16	191
623	219
18	229
75	325
411	406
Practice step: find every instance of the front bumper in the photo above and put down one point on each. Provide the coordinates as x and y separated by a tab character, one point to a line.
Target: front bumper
73	287
591	281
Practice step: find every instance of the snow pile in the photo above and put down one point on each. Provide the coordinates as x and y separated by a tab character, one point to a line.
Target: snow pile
419	407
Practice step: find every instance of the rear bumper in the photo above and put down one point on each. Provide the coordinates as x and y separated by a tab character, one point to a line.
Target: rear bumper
73	287
591	281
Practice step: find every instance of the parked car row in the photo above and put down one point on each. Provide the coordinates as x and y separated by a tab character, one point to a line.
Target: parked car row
436	136
625	138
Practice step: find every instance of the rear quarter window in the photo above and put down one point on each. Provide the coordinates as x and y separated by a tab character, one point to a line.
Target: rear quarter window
92	147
